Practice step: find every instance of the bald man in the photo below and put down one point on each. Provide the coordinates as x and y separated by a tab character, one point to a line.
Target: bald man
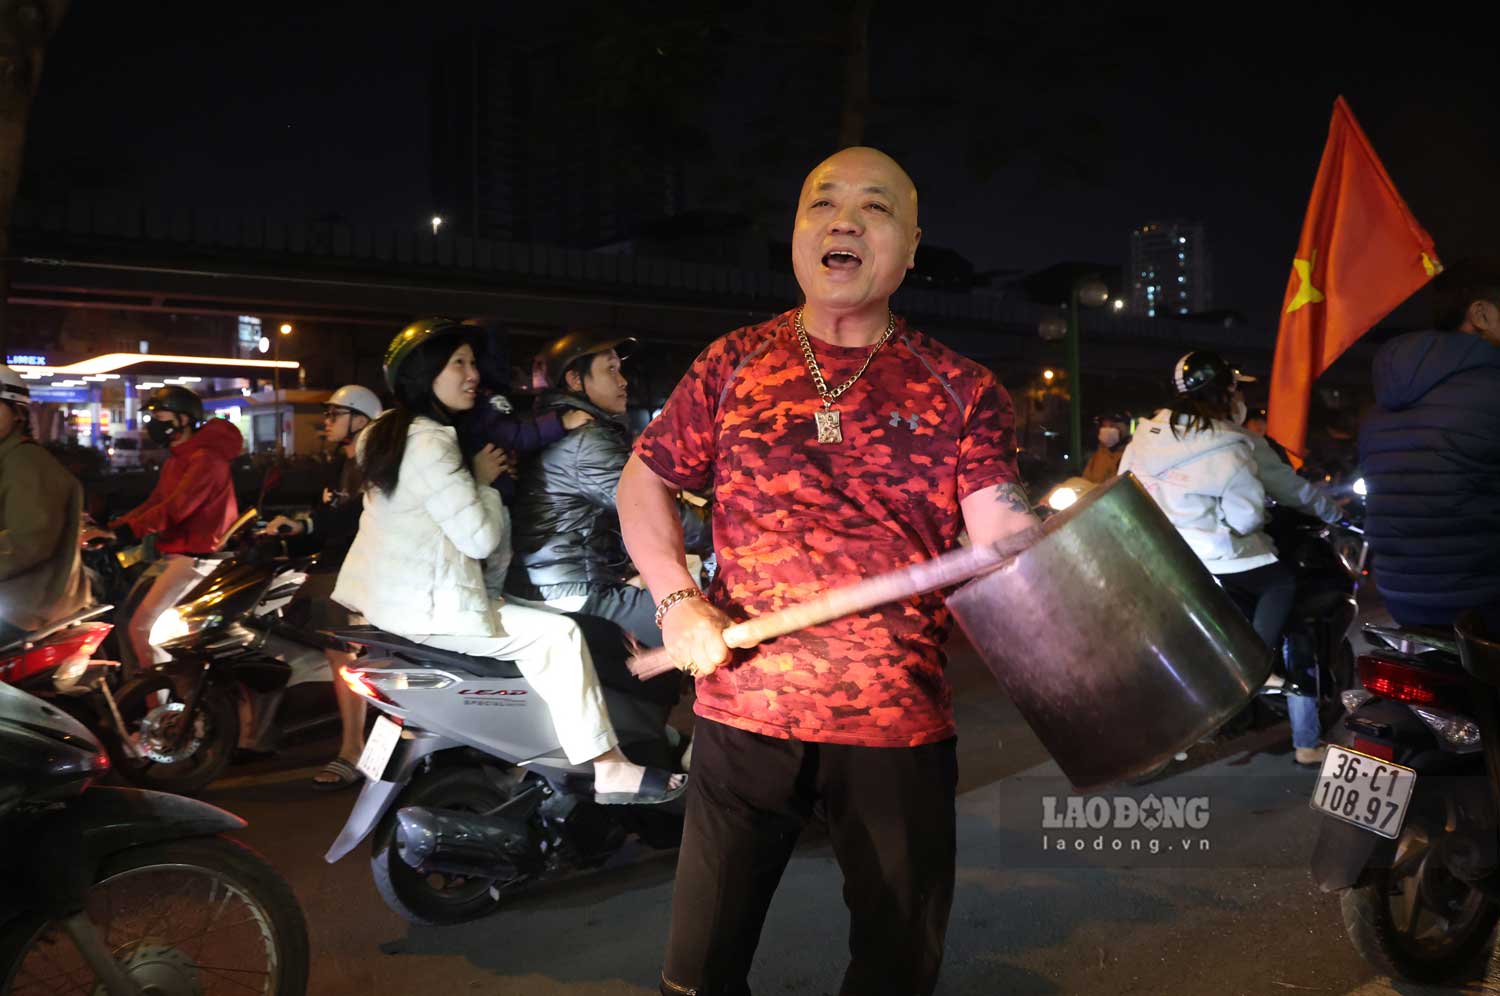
838	443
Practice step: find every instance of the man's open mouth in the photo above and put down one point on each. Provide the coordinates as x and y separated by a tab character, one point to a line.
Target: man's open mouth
841	259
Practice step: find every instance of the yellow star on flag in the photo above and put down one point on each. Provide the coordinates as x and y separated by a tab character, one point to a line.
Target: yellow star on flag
1307	293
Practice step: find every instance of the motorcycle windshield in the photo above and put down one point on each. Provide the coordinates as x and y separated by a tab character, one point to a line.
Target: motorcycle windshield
232	590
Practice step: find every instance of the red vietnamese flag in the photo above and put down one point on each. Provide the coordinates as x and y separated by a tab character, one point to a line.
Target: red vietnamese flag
1361	254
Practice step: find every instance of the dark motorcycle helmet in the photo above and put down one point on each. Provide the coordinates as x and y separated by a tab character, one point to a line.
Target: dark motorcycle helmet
418	354
175	399
415	337
565	350
1200	372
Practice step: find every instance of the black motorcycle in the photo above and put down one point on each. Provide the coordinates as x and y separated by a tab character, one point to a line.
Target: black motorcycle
123	892
237	673
1411	794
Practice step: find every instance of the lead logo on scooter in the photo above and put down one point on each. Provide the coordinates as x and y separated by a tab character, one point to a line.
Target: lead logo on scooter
492	691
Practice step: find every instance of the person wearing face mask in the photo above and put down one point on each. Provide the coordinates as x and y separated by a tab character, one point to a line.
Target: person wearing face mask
430	519
41	506
189	510
332	525
1114	431
1200	467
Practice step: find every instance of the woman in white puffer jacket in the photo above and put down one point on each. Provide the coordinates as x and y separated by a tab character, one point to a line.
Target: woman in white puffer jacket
1200	466
430	519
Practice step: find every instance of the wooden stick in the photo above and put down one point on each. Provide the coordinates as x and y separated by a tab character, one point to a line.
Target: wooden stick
948	569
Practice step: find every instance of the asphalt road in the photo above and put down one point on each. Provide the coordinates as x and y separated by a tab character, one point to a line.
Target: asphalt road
1224	908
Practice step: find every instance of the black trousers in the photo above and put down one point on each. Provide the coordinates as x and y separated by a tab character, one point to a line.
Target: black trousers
1270	591
890	814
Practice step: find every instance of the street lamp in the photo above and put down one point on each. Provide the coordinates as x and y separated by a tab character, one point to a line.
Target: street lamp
1088	292
437	222
285	330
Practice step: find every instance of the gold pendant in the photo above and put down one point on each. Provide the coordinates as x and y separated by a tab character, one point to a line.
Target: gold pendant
828	426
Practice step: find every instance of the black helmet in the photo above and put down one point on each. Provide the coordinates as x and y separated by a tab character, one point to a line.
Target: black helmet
420	331
1200	370
560	353
175	399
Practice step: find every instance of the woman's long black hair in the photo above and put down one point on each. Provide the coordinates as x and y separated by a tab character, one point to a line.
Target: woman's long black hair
384	444
1196	412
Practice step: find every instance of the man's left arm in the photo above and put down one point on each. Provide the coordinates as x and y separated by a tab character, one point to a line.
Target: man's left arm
991	497
192	492
995	512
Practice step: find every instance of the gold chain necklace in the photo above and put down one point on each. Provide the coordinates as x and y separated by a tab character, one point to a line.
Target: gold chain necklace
827	419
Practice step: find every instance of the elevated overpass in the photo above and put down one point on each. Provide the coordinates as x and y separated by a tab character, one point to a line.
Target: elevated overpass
125	257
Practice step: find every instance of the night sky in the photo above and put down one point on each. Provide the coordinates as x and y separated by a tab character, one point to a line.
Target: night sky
1035	135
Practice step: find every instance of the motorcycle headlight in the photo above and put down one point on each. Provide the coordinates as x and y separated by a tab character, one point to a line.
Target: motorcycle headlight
1360	488
1061	498
168	626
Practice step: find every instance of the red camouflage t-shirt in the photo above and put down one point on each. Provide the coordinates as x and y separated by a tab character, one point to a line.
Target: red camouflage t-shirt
923	429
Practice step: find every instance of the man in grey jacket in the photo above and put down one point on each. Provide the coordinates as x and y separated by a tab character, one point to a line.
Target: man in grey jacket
41	510
566	530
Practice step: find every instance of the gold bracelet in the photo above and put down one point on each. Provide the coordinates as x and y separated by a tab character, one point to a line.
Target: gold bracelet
671	600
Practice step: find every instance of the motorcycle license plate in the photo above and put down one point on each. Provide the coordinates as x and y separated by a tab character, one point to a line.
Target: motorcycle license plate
1363	790
379	748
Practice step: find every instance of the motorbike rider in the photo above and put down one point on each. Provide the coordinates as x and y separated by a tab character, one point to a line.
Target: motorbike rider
1430	454
1201	469
333	523
414	568
41	508
189	510
568	548
1114	433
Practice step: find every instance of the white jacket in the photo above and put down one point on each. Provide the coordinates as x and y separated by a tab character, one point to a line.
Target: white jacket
1206	482
1285	487
414	568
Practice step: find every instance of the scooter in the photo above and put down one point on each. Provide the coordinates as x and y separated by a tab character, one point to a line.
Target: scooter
123	892
59	664
468	797
236	673
1410	795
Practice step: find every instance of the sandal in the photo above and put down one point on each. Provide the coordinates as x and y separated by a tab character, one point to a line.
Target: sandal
654	790
336	774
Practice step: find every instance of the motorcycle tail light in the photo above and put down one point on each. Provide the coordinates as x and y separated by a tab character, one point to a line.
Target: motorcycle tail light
362	685
70	645
1402	682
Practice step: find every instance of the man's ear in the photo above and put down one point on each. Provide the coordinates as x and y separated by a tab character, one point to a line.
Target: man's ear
573	381
1485	315
916	240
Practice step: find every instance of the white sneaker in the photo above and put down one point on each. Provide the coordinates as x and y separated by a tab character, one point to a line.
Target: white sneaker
1310	756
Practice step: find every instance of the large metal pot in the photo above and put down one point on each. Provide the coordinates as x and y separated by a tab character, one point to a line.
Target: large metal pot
1112	639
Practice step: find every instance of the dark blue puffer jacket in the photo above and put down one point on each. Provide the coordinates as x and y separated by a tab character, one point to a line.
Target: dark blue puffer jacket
1431	460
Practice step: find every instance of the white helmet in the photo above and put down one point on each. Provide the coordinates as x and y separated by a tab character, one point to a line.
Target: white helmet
12	387
357	399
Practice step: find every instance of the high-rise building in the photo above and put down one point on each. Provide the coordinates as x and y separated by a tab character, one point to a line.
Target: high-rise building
518	155
1170	270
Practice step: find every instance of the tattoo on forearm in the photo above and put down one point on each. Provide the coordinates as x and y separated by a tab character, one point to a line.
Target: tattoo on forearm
1013	497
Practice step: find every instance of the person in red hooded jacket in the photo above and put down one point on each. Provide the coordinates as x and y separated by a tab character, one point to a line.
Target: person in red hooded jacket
189	510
